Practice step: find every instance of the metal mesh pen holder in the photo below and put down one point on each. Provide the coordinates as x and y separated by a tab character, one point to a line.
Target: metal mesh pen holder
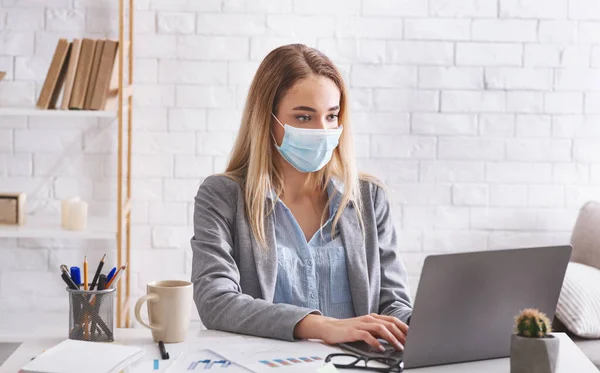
91	315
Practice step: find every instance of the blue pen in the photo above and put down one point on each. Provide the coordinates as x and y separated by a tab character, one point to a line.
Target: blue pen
110	274
76	275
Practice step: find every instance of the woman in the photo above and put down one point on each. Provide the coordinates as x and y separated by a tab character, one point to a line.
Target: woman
291	243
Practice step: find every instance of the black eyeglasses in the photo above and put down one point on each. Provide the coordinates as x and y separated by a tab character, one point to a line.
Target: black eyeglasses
373	364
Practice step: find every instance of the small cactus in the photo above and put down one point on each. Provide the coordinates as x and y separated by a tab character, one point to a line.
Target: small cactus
532	323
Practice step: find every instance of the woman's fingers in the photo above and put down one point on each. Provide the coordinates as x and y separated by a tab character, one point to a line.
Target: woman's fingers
383	332
400	336
391	326
363	335
366	328
402	326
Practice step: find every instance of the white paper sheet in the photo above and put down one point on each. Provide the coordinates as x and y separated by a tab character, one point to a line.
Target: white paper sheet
203	361
152	362
262	356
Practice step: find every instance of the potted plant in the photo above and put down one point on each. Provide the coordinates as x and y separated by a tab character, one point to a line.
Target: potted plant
532	348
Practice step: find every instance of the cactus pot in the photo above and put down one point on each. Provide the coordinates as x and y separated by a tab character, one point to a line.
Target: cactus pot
533	355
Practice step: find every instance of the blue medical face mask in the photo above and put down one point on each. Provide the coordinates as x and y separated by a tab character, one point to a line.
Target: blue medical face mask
308	150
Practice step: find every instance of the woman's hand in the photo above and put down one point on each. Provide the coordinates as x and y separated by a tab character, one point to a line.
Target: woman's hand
364	328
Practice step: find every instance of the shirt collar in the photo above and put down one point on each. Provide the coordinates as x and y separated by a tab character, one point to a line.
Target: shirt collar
335	185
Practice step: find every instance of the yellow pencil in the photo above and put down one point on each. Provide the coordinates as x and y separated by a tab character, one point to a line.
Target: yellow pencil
85	287
85	273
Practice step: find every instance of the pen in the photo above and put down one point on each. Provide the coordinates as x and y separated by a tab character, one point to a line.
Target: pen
113	282
98	270
102	282
76	332
67	279
76	275
110	274
163	352
76	301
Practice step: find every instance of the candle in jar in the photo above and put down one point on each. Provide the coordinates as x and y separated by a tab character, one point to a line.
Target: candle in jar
65	208
78	215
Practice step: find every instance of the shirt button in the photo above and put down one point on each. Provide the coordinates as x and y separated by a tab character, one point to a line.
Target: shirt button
313	295
310	262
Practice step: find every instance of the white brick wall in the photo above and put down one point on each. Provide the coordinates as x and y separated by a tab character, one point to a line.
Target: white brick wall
420	53
451	77
557	31
444	124
524	102
552	9
563	102
437	29
463	8
534	125
596	56
584	9
474	101
542	55
176	23
489	54
481	115
519	78
513	30
494	125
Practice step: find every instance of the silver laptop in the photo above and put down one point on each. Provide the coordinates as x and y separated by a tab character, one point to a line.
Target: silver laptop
466	303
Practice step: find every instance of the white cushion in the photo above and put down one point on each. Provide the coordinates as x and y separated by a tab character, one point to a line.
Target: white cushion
586	235
579	302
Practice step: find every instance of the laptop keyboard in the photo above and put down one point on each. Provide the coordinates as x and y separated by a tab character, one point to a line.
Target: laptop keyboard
390	351
363	348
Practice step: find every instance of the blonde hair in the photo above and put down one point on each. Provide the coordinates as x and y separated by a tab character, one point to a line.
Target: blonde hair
251	163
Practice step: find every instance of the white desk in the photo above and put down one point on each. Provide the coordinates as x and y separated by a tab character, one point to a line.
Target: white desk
571	358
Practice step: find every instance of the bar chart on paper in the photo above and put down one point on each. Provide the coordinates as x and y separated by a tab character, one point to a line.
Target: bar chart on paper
276	356
290	361
202	361
188	357
208	364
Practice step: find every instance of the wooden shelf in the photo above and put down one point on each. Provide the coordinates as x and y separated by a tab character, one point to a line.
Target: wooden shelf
98	228
8	111
49	227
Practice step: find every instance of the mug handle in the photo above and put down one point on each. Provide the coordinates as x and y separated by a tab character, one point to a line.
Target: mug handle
138	307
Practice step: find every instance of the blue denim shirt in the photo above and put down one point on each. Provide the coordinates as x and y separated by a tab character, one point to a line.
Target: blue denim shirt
312	274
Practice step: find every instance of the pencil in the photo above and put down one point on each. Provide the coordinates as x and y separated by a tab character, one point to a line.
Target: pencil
97	275
85	273
85	287
115	279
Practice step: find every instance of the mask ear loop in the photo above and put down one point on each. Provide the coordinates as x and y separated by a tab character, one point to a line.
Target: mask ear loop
282	126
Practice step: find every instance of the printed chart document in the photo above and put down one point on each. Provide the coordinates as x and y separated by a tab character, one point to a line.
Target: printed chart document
262	356
202	361
180	353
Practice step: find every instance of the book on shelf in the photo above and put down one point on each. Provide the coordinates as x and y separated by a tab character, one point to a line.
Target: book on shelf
55	76
71	70
84	72
106	71
82	77
93	74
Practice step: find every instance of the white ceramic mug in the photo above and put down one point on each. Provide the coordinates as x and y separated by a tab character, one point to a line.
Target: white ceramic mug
169	309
